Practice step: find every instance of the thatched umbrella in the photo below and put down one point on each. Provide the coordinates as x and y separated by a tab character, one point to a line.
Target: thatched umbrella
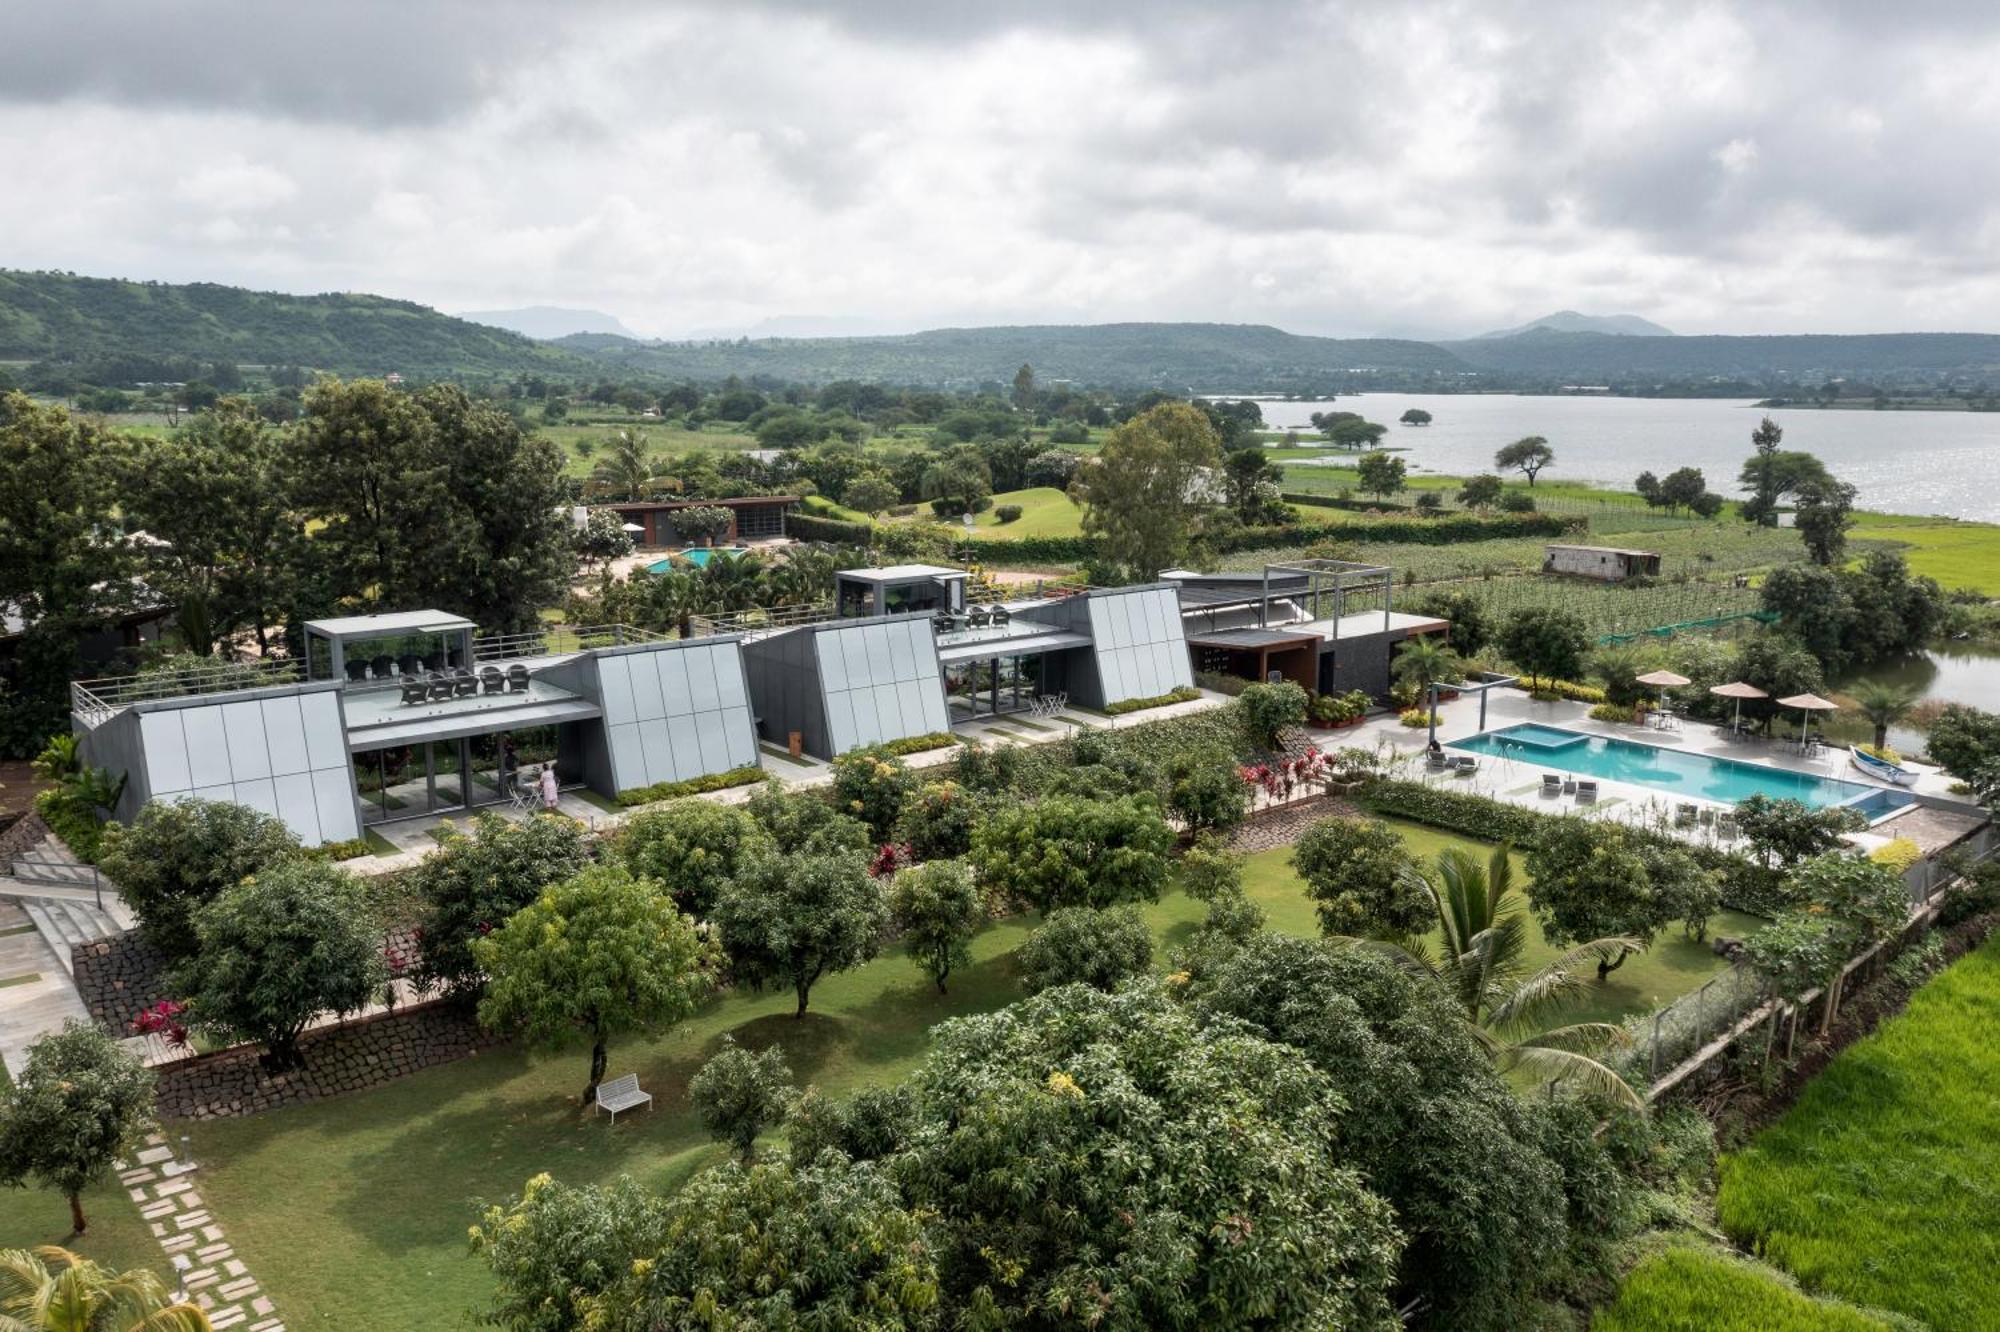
1807	704
1739	691
1665	680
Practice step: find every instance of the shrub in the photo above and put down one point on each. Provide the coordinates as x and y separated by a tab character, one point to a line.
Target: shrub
177	855
1007	513
738	1095
936	908
1334	709
806	821
1621	713
1455	811
73	818
714	781
1178	694
1205	792
1363	879
1087	946
1897	855
873	787
938	820
1068	851
917	744
690	847
1418	718
1209	870
80	1103
1269	708
789	919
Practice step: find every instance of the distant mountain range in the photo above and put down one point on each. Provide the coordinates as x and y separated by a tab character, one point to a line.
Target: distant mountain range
1569	321
548	322
56	316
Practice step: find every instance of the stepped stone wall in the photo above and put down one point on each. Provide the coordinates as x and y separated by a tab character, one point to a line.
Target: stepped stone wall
118	976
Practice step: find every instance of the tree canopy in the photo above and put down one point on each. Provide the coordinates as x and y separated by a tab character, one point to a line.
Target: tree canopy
790	918
1140	494
80	1103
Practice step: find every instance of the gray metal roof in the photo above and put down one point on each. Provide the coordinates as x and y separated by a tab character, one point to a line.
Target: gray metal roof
455	725
391	622
896	573
1252	638
987	648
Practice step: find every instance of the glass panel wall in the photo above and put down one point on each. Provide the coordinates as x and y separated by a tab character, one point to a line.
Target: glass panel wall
992	688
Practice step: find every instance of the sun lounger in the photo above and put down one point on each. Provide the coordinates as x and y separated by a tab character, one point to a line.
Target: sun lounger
1683	815
1467	765
1552	784
1586	793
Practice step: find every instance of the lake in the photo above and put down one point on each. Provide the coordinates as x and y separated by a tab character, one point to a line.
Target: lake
1901	462
1948	673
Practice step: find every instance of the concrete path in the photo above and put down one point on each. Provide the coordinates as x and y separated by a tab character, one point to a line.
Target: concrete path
36	993
205	1264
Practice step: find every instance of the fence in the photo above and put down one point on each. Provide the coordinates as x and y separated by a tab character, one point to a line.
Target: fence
1678	1041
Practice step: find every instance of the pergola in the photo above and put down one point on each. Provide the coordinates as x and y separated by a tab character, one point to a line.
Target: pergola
1325	578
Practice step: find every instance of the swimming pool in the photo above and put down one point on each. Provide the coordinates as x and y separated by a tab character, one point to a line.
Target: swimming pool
1672	771
698	557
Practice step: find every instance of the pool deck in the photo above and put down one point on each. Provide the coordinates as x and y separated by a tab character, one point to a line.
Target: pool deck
1521	783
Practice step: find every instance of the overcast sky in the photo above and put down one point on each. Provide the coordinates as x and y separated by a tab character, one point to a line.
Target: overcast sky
1352	169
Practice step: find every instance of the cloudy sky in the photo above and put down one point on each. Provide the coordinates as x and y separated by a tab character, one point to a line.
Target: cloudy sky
1339	168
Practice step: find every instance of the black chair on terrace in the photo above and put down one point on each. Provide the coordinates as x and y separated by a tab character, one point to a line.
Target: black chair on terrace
943	622
978	617
439	686
1001	616
410	662
517	678
414	690
357	672
434	661
384	668
464	683
492	681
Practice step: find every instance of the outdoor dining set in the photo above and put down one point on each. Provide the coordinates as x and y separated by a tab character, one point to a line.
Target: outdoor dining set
979	617
440	686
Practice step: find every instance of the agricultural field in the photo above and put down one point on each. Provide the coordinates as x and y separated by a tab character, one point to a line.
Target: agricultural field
1957	554
1700	1290
1878	1185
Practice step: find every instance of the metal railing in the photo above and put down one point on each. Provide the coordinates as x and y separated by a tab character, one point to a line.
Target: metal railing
92	701
758	621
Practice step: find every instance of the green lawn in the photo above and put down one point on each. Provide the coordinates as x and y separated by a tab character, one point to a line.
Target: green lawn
1700	1290
1045	512
1957	554
116	1238
1879	1185
353	1211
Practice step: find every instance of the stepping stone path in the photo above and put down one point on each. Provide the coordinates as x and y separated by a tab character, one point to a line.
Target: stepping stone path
205	1266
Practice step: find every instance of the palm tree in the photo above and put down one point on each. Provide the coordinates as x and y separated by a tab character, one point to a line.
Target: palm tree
1423	661
732	582
1884	705
1484	934
54	1290
627	471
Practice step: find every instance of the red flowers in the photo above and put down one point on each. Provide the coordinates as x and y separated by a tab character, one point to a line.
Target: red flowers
163	1019
1281	777
892	857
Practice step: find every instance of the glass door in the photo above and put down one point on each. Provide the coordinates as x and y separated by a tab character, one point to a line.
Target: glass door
446	761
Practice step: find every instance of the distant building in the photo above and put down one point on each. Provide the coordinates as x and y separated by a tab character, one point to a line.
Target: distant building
1608	563
751	517
392	378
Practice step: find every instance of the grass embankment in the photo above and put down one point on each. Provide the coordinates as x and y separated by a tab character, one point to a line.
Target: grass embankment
1878	1186
1700	1290
1045	512
1957	554
352	1212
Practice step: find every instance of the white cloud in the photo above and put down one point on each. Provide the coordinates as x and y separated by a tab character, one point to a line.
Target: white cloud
1343	168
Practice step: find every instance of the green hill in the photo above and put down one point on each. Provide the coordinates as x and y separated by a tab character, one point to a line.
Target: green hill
63	317
1177	357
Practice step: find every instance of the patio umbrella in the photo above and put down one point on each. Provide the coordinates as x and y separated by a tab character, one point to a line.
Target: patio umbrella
1665	680
1739	691
1807	704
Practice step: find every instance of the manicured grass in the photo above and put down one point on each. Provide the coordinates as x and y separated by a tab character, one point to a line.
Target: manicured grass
1878	1186
116	1238
1698	1290
1957	554
1045	512
352	1211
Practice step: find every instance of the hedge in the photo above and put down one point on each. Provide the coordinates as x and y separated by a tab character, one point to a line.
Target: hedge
812	527
70	819
910	744
714	781
1421	531
1180	694
1569	689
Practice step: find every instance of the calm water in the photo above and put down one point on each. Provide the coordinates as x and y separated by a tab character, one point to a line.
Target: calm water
1902	462
1670	771
1948	673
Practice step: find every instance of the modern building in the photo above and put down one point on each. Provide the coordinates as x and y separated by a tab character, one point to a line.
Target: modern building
1325	625
414	714
1608	563
751	517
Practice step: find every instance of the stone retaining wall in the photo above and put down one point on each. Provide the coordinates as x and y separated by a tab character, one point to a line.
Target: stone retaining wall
1281	825
350	1057
22	833
118	976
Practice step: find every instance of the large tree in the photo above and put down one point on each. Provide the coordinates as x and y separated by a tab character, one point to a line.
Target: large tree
1380	474
1528	456
1065	850
936	909
473	882
789	919
596	956
691	847
1772	473
280	949
63	565
178	855
1360	874
1142	492
80	1103
1589	880
1547	643
1823	513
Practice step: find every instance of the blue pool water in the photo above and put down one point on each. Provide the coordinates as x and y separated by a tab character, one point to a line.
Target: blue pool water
1670	770
698	557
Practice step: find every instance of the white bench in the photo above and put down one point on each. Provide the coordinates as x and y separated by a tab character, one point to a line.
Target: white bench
621	1094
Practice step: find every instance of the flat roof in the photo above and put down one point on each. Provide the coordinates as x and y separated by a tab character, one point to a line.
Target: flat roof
1604	550
1363	624
391	622
734	502
1252	638
1054	640
896	573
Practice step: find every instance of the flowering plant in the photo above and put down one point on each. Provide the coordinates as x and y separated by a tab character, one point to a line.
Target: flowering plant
163	1019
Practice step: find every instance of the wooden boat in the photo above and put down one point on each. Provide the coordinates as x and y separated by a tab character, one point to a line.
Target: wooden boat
1881	769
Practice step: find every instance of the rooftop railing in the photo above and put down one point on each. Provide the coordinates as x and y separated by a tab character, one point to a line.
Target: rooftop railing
759	621
93	701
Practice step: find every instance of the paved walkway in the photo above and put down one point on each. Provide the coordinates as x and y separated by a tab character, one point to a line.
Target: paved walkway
205	1264
36	993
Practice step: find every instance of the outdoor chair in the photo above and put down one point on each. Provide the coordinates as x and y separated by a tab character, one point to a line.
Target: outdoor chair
1436	762
620	1094
357	672
439	687
1706	817
409	663
979	617
1586	793
1552	784
1684	814
464	683
1467	765
434	661
1725	824
1001	615
414	690
383	668
517	678
943	622
492	680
